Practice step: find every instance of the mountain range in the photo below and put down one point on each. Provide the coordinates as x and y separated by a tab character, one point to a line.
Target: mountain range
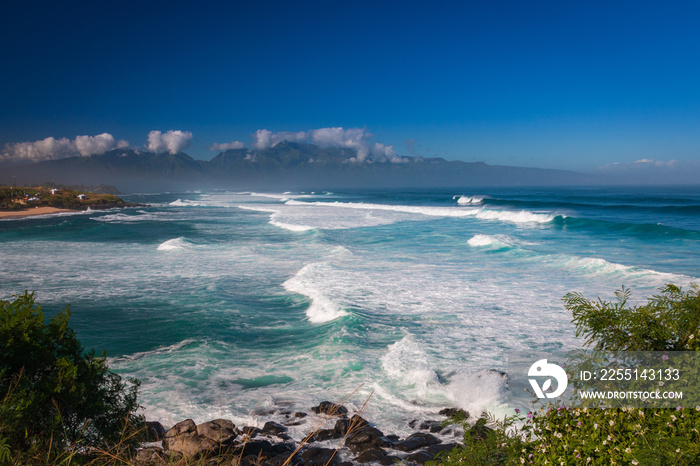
287	165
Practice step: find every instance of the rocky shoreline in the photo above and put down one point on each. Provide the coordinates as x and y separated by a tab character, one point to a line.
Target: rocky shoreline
333	436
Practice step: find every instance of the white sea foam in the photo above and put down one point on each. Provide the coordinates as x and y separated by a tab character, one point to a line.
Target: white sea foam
485	240
421	210
469	200
282	197
186	203
407	362
141	217
479	391
288	226
598	266
321	309
274	218
304	217
521	216
174	244
409	365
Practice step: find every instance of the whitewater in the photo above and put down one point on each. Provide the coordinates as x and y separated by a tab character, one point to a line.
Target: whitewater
235	304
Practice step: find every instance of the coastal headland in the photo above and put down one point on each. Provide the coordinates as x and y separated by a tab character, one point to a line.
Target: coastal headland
28	201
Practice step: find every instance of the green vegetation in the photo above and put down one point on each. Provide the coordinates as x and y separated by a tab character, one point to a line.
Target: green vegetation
558	434
56	399
19	198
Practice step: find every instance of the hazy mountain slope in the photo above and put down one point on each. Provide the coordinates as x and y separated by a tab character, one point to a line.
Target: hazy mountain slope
284	166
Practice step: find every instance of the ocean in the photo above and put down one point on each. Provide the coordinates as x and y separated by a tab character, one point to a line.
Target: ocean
239	304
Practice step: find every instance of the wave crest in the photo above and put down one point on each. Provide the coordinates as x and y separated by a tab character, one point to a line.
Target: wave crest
321	309
174	244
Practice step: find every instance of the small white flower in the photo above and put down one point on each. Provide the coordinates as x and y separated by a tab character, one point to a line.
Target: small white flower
628	450
673	418
589	459
612	423
605	442
635	462
691	337
595	426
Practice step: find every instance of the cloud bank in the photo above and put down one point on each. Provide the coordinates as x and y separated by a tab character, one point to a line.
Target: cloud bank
226	146
351	138
172	141
52	148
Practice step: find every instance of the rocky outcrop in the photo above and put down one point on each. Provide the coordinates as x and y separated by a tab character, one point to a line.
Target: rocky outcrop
352	440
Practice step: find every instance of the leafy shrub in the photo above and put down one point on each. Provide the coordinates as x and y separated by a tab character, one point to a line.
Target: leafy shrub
55	396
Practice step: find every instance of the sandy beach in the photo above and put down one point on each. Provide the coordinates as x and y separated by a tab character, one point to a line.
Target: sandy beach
32	212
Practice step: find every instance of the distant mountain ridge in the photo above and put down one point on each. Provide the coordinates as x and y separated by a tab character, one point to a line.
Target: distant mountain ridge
286	165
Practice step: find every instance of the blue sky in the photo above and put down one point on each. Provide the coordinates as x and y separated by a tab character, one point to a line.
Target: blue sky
542	84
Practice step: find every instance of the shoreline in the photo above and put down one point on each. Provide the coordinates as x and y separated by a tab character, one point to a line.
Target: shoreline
33	212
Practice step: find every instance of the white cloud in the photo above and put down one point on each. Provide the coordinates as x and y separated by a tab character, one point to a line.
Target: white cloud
173	141
226	146
263	138
89	145
357	139
52	148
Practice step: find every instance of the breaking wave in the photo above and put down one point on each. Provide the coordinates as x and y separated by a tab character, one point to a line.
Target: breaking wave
321	309
174	244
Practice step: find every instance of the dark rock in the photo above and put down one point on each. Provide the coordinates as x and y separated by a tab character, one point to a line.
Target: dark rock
332	409
432	426
300	414
221	431
420	457
250	460
342	426
295	423
376	455
154	431
364	438
449	412
416	441
392	438
256	447
412	424
319	456
280	448
282	459
324	434
274	428
439	448
183	439
248	431
150	456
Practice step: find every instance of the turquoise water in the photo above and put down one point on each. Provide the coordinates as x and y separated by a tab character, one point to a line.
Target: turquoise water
227	304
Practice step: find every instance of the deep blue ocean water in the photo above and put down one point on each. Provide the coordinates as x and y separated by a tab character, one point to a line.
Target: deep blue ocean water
226	304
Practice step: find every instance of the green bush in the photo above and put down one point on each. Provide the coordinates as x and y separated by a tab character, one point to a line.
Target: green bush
560	435
55	396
